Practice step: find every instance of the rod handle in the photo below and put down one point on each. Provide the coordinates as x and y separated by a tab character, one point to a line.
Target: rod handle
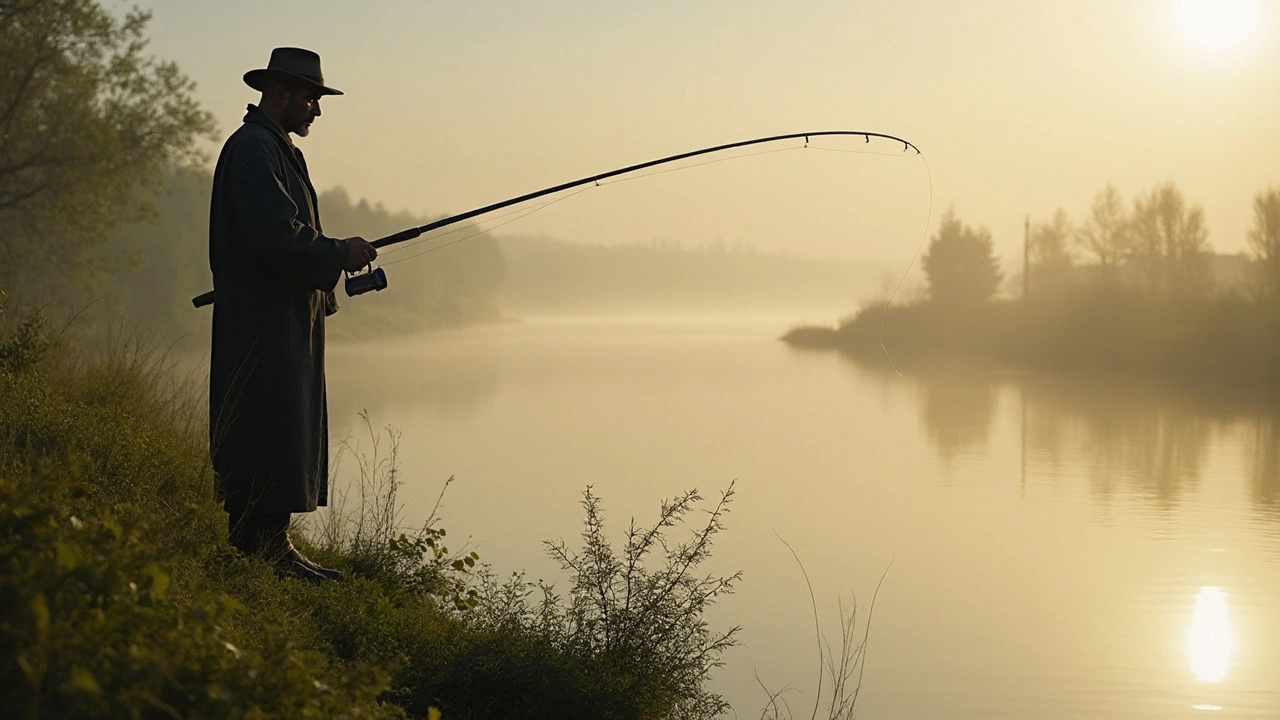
203	299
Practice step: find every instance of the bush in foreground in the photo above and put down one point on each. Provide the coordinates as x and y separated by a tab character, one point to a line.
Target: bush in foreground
120	598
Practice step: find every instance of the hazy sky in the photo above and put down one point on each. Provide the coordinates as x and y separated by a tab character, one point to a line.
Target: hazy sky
1020	107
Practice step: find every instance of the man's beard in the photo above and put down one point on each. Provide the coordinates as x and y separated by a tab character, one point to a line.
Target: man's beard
303	129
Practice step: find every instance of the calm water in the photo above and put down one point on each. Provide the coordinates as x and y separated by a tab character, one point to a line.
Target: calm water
1054	550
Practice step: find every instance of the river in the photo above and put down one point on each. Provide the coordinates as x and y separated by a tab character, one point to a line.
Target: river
1049	548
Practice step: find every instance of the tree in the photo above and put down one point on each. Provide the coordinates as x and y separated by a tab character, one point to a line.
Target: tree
1264	239
86	121
1050	254
1170	243
1105	236
960	266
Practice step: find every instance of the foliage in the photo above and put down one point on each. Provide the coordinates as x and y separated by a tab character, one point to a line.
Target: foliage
1169	243
23	347
627	620
146	612
960	265
85	118
370	538
842	666
1050	255
1264	239
155	267
1104	237
1117	329
91	629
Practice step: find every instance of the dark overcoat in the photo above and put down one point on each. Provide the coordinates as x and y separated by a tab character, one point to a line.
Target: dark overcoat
274	272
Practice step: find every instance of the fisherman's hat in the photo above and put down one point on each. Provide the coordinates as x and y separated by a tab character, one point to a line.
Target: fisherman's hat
294	65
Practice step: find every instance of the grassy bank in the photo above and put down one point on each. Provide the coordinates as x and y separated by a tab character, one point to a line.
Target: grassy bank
1222	339
120	598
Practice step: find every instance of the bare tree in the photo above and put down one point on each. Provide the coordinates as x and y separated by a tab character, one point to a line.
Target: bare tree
1170	243
1104	237
1051	257
1264	239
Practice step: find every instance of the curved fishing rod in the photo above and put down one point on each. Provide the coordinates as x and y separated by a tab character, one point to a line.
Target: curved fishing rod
377	279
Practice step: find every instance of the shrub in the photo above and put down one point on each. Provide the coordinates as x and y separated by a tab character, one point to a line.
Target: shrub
640	634
89	629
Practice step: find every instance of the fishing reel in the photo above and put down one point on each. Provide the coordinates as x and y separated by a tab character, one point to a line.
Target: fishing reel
372	279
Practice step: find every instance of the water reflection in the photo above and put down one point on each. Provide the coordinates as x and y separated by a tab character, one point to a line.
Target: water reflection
1134	440
1125	438
1209	644
957	409
1265	463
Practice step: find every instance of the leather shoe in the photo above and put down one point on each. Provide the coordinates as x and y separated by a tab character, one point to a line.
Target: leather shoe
303	560
287	567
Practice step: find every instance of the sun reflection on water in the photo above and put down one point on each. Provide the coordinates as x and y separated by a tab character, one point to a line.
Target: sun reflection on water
1209	645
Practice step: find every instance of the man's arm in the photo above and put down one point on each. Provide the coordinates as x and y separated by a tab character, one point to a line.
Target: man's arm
270	229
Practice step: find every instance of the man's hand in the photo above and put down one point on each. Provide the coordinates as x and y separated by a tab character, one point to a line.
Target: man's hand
362	253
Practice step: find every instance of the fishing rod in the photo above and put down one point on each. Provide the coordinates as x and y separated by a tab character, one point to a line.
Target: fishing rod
376	279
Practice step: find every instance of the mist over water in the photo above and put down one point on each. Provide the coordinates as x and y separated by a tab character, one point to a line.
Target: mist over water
1055	549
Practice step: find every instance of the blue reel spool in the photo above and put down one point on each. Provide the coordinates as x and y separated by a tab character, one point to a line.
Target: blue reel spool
376	280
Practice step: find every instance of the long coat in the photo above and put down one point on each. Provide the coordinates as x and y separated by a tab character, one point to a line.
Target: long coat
274	272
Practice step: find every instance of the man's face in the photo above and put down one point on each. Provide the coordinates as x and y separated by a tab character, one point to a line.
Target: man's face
301	108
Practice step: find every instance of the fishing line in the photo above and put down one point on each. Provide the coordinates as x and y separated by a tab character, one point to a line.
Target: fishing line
854	152
924	235
436	236
523	214
700	164
526	212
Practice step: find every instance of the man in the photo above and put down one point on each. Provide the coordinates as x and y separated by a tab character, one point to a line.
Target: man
274	272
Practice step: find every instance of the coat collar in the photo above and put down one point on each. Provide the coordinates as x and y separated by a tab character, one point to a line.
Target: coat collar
254	114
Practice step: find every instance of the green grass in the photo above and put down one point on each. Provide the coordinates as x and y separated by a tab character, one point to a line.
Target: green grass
120	598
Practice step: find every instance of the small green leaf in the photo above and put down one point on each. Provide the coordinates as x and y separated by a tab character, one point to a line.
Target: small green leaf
112	525
84	681
67	556
157	581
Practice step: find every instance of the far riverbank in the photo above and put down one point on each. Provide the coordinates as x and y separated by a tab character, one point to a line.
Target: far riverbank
1226	339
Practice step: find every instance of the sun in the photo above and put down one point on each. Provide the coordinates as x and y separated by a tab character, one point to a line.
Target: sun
1218	25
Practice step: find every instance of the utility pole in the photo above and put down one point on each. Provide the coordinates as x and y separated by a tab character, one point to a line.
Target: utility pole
1026	258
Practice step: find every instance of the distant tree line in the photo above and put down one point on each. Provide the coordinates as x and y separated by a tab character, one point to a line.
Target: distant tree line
158	265
1157	245
1132	288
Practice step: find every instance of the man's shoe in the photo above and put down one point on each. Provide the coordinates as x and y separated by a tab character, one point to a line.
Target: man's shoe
291	551
327	573
287	567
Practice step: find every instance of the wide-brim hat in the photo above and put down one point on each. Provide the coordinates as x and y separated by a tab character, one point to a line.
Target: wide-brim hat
294	65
